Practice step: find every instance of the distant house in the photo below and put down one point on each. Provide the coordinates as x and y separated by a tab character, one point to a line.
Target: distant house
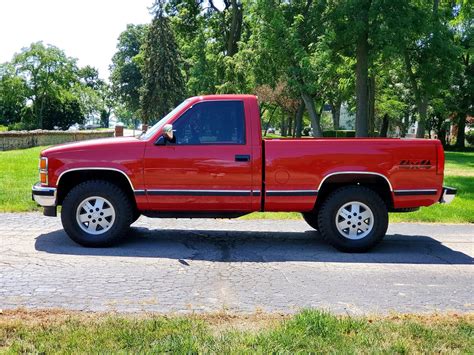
347	118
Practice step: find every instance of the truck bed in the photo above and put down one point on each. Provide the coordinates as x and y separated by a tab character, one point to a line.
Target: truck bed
296	169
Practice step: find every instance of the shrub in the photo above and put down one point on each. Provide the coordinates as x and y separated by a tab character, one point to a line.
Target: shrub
21	126
339	134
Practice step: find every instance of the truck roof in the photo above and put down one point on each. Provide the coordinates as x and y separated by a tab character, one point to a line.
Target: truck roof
222	97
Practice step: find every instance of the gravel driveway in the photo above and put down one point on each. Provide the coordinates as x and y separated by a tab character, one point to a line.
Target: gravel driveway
206	265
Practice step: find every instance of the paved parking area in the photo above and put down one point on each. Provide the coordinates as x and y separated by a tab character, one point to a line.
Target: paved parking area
197	265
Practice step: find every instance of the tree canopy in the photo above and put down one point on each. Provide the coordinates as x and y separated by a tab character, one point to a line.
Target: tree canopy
391	64
43	88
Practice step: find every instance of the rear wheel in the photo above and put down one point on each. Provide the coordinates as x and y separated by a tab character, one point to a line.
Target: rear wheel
96	213
353	219
136	216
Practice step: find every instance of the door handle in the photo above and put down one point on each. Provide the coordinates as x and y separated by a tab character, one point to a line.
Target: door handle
242	157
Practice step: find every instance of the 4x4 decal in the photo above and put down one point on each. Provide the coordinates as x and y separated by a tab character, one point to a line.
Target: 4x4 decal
415	164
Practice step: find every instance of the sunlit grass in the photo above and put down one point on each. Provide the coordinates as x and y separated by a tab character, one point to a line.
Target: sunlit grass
307	332
18	172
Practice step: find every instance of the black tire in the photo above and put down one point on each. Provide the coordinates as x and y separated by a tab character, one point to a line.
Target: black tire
358	195
136	215
114	196
311	218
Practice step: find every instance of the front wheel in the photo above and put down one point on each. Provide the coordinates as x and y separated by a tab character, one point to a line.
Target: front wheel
96	213
353	219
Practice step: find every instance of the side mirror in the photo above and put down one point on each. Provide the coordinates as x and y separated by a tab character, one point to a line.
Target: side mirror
160	141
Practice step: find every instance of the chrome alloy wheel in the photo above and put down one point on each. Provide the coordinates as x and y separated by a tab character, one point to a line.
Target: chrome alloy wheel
95	215
354	220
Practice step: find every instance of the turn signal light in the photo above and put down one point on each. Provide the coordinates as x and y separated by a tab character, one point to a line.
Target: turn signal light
44	178
43	164
43	170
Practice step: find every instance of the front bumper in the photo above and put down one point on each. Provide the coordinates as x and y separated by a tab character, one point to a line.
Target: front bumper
44	196
448	194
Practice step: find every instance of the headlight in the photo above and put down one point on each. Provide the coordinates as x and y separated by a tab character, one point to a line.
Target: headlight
43	170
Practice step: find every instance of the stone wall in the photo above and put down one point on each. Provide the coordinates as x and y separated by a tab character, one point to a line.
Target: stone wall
27	139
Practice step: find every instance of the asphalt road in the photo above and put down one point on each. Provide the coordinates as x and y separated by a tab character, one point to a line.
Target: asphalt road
234	265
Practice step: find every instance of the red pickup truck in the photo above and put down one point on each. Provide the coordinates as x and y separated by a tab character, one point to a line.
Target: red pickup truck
216	165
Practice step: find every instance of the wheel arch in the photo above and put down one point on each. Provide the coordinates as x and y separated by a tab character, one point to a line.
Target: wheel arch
71	177
375	181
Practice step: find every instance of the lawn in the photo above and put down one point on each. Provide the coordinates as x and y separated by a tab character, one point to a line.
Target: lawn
308	331
20	171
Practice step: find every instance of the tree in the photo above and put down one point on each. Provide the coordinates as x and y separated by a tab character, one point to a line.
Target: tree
126	75
392	97
429	54
209	35
352	23
46	71
279	97
463	89
368	30
163	84
13	95
43	88
95	95
61	111
286	47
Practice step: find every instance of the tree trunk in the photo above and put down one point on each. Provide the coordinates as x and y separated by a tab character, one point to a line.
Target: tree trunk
269	121
235	28
371	99
315	118
290	125
384	128
299	120
336	114
442	135
423	113
461	136
284	126
362	73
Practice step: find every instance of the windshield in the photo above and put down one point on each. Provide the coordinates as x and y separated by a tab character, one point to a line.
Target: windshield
151	131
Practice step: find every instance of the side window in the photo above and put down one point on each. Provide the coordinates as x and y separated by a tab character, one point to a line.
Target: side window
212	122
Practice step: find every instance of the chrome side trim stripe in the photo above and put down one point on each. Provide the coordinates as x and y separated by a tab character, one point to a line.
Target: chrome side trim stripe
415	192
179	192
292	193
168	192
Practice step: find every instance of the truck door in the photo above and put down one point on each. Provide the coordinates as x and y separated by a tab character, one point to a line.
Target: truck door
209	167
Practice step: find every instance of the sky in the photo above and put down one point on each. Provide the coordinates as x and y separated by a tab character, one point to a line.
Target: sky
84	29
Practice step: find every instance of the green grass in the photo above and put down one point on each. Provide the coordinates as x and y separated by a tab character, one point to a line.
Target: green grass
3	128
308	331
20	171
